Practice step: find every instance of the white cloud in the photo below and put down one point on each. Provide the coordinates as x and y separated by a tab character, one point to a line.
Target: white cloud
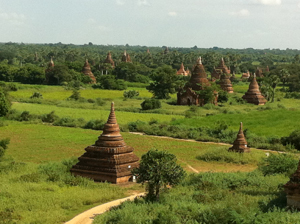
242	12
143	3
299	5
172	13
13	18
120	2
268	2
91	21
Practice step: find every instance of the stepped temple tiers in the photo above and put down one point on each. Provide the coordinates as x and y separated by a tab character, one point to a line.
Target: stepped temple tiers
88	72
225	83
218	71
126	57
240	143
182	71
187	95
292	189
109	159
253	95
109	60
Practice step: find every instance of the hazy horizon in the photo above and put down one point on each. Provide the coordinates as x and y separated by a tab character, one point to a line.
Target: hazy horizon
238	24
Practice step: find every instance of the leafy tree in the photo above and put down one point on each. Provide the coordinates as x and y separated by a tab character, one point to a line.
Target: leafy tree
165	82
150	104
4	103
208	93
269	84
109	82
157	170
58	74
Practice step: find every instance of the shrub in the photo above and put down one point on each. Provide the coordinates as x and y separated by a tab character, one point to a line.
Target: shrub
12	87
130	94
66	121
75	95
223	96
95	124
278	164
49	118
36	95
25	116
150	104
293	139
100	102
4	103
3	146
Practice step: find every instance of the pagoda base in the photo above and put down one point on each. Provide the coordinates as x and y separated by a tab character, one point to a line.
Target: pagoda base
101	177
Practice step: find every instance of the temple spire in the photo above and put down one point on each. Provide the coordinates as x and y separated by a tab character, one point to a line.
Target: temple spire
240	143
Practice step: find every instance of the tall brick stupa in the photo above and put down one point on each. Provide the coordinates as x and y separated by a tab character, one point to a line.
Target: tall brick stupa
240	143
109	159
253	95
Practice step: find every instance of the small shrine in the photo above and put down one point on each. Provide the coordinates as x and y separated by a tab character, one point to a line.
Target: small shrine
240	143
126	57
292	189
219	70
166	51
182	71
109	159
86	70
51	63
109	60
225	83
246	75
253	95
187	95
259	73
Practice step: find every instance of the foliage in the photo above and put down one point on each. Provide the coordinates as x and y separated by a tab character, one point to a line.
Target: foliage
75	95
165	82
293	138
150	104
36	95
278	164
109	82
223	96
49	118
130	94
3	146
4	103
158	169
208	93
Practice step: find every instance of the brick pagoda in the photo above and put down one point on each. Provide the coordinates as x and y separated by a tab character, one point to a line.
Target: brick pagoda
292	190
219	70
88	72
240	143
109	60
225	83
253	95
126	57
109	159
182	71
259	73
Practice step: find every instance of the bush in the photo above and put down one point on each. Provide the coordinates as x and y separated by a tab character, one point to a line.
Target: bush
4	103
95	124
223	96
3	146
100	102
130	94
293	139
66	121
25	116
278	164
49	118
150	104
75	95
12	87
36	95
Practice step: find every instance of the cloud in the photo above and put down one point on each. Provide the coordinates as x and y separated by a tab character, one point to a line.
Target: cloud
13	18
268	2
143	3
242	12
172	13
91	21
103	28
299	5
120	2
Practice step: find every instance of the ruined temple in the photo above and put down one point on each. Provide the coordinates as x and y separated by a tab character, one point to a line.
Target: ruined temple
225	83
50	66
109	159
253	95
109	60
246	75
219	70
126	57
187	95
240	143
292	189
259	73
88	72
182	71
51	63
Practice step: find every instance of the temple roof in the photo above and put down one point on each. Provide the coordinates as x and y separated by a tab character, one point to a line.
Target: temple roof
109	60
111	136
240	143
199	76
223	67
253	95
182	71
87	71
51	63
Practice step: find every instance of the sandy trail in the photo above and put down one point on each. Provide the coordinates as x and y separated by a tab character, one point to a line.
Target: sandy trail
88	216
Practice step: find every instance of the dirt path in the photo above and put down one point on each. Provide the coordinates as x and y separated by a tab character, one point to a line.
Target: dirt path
88	216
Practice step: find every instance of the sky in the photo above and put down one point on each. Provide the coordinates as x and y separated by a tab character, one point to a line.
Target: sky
240	24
